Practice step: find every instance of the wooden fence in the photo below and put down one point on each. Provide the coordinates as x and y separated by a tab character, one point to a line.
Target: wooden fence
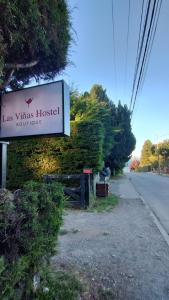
78	196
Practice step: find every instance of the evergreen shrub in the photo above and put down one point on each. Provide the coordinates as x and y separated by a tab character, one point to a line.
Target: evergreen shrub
30	159
29	223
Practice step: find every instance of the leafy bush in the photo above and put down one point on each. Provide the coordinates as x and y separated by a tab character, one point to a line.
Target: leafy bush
30	159
29	223
33	31
59	285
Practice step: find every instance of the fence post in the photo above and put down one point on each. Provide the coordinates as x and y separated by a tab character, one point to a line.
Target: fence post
3	163
82	190
87	190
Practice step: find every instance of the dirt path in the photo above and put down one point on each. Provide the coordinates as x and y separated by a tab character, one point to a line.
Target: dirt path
121	253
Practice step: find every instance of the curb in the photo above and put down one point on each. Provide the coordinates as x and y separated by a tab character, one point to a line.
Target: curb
156	221
154	217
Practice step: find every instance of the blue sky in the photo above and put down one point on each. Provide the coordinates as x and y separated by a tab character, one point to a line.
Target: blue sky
93	61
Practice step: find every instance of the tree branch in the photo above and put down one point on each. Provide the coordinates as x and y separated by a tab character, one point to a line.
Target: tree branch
12	68
8	80
21	66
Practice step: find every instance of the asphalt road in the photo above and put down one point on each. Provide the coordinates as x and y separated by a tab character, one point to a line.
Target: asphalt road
155	191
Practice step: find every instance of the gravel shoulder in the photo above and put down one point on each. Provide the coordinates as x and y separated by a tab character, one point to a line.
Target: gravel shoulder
121	252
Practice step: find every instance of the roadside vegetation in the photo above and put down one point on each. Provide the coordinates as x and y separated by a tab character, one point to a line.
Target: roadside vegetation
30	223
154	157
34	43
60	285
104	204
100	131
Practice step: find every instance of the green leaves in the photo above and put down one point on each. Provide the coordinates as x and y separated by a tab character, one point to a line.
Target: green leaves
124	140
99	131
32	158
28	232
33	31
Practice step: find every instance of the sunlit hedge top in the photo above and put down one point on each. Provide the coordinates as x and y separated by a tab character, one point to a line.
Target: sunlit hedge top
32	158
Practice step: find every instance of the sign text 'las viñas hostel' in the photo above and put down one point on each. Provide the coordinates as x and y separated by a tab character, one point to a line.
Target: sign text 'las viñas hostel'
39	110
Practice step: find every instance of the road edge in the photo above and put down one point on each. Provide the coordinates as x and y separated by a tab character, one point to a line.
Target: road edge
153	216
156	221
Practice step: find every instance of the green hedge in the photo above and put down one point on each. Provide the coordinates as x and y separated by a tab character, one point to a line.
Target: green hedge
29	225
30	159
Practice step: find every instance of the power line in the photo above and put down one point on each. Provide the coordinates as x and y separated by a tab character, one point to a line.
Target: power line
153	33
150	44
145	55
114	50
127	41
140	47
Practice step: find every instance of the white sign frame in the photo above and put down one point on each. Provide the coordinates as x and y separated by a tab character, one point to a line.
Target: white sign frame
42	110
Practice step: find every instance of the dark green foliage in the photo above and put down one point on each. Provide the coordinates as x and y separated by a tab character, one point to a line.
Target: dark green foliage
29	225
119	141
32	158
33	31
78	106
99	131
94	106
62	286
124	140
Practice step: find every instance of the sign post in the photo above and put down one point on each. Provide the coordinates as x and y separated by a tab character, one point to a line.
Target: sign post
3	163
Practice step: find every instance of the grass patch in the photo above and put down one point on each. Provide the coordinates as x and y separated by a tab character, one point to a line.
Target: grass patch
101	204
59	285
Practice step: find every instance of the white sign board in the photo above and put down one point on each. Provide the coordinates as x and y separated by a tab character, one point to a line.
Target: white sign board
40	110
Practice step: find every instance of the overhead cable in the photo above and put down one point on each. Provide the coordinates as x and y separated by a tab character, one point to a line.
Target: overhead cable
140	50
127	40
138	47
149	31
114	50
153	33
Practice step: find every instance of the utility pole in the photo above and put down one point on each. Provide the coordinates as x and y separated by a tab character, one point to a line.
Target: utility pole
158	157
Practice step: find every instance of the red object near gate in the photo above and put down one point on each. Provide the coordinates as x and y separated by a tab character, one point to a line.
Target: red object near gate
87	171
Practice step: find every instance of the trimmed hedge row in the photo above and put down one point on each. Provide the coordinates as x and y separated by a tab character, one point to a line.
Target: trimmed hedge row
30	159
